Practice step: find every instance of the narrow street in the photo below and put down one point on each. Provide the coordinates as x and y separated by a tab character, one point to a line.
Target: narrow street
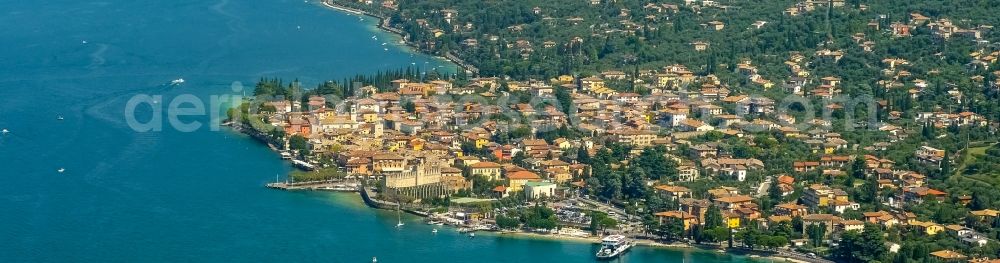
764	186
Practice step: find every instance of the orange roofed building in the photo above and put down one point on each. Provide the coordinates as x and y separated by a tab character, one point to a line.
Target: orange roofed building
516	180
686	218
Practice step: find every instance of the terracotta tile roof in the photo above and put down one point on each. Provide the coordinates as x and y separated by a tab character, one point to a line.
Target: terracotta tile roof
523	175
675	214
947	254
672	188
483	165
735	199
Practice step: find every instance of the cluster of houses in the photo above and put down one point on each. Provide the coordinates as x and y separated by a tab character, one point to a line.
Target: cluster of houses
812	5
418	151
740	210
417	144
943	28
427	133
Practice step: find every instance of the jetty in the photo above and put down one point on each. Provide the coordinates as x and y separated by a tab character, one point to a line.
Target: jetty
332	185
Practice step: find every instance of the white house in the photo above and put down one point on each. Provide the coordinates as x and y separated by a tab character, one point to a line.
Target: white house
535	190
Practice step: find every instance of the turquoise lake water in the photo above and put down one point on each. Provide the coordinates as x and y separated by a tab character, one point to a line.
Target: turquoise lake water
172	196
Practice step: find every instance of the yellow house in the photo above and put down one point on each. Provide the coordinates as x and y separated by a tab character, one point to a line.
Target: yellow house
592	83
478	140
516	180
929	228
562	143
562	177
489	169
934	229
685	217
565	145
829	149
733	221
565	78
417	144
818	195
482	142
841	198
664	80
370	117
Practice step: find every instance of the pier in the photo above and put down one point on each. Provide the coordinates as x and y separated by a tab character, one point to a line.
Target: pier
337	186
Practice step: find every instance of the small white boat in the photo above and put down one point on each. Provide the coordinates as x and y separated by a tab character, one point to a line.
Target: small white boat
374	260
399	217
383	43
386	49
60	117
472	235
61	170
298	27
435	231
84	42
5	131
177	82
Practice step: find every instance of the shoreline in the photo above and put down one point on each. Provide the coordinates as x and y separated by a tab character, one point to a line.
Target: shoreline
523	234
383	25
751	256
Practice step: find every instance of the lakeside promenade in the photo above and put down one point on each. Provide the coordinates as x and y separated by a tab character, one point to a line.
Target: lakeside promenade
370	199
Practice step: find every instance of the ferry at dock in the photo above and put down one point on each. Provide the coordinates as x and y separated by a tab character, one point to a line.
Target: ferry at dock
613	246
